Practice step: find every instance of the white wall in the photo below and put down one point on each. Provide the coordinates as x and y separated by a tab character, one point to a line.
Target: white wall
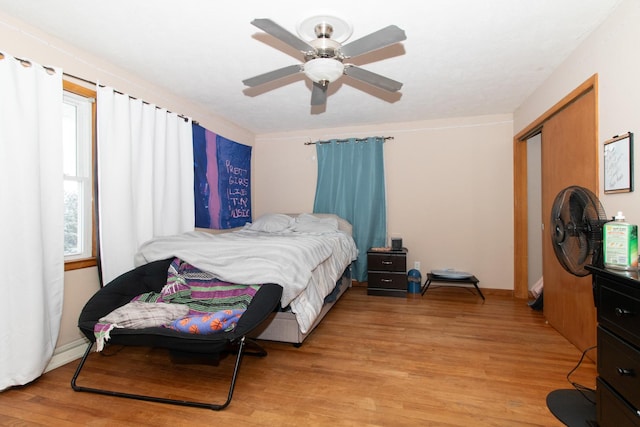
611	52
449	188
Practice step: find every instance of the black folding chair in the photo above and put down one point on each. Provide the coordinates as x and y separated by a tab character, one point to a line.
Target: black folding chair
152	277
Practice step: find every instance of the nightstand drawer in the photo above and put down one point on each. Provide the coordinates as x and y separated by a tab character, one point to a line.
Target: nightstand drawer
387	262
619	366
387	280
612	410
619	311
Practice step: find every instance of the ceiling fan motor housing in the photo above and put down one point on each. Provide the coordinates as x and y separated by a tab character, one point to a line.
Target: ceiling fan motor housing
323	48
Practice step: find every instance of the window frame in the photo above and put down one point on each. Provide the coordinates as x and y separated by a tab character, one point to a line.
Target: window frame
91	261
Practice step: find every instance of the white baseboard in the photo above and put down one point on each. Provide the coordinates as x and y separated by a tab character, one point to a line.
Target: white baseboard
67	353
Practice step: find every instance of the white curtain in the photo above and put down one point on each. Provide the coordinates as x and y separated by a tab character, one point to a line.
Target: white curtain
145	177
31	218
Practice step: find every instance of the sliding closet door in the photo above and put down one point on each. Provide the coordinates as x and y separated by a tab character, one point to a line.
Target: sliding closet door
569	157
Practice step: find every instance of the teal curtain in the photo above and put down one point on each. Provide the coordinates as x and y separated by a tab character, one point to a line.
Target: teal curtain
351	184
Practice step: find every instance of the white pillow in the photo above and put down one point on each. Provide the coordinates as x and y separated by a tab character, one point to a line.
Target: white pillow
271	223
343	224
307	223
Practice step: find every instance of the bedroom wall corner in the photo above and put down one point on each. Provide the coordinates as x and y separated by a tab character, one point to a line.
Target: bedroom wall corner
455	171
285	174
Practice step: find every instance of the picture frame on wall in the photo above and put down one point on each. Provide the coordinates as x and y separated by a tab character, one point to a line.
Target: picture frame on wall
618	164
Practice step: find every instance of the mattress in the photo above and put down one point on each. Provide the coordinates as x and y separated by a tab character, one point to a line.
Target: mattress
306	255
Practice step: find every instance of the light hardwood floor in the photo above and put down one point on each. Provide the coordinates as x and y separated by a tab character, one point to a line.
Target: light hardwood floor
446	359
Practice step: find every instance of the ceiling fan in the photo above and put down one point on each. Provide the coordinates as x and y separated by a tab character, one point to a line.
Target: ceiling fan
325	54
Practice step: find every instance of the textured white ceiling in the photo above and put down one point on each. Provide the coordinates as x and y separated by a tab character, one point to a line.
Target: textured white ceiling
461	57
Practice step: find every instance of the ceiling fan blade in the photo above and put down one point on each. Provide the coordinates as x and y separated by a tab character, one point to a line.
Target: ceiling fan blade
282	34
372	78
377	40
319	94
272	75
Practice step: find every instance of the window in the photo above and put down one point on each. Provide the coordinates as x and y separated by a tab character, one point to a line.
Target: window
78	148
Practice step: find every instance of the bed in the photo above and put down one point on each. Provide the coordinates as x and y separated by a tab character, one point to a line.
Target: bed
309	255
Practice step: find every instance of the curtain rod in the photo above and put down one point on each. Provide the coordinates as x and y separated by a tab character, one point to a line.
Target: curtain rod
27	63
79	78
384	138
118	92
51	70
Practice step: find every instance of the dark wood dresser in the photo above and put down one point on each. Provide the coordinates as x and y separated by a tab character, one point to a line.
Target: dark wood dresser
617	298
387	271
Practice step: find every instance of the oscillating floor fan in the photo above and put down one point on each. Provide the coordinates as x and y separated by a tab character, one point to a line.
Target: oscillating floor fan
577	222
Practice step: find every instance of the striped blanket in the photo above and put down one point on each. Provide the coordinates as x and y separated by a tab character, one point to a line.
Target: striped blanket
199	290
191	301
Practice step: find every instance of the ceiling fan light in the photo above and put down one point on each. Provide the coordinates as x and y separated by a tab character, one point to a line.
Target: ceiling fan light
323	69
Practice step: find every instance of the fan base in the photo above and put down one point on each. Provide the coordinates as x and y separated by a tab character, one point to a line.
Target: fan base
572	408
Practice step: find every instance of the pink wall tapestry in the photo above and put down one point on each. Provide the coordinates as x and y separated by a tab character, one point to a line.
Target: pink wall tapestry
222	180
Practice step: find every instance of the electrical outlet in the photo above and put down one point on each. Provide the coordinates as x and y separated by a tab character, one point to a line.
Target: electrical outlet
416	265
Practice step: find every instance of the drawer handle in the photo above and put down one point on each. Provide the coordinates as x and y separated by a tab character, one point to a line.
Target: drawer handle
387	262
624	372
386	280
623	312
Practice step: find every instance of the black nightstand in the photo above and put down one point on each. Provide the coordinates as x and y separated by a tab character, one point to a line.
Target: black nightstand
387	271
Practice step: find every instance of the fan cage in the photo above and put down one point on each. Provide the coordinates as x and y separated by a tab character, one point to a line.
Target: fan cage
578	219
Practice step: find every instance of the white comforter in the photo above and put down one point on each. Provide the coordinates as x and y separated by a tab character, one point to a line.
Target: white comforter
306	265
